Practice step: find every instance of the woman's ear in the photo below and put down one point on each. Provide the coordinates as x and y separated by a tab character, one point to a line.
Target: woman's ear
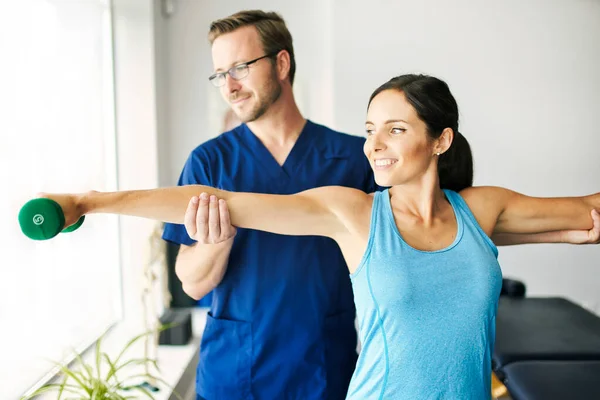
444	141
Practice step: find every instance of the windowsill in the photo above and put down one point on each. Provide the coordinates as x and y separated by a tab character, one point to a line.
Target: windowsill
178	363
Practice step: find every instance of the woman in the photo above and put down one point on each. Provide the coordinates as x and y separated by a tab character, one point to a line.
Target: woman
407	247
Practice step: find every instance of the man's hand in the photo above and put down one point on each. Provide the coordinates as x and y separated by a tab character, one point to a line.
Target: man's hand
202	266
207	220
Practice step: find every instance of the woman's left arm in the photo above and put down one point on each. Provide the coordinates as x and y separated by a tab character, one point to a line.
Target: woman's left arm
591	236
502	210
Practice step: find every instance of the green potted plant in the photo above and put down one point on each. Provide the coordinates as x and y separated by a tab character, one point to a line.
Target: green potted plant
107	379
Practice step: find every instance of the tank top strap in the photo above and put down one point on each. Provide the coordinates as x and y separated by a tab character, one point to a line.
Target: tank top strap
378	222
463	211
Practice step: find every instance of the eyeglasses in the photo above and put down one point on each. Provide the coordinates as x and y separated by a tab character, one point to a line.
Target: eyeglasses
236	72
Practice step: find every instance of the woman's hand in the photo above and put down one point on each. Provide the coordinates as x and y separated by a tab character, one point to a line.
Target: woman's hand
70	204
584	237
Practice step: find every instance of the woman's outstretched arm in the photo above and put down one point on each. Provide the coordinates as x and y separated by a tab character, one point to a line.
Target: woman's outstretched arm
591	236
501	210
316	211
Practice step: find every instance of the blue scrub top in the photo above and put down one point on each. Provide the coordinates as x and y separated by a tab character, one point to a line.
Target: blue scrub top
281	323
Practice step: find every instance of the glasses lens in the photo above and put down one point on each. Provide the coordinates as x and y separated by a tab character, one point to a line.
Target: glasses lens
217	80
239	72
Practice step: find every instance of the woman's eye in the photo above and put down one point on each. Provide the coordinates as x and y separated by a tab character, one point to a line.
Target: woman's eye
369	132
398	130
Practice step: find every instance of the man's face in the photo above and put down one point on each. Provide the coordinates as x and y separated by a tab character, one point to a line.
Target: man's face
249	97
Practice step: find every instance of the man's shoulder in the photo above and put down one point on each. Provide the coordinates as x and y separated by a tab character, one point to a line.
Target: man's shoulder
340	143
334	135
218	145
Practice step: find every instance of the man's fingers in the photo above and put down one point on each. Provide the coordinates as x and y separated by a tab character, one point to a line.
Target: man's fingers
214	224
202	219
207	219
189	220
226	227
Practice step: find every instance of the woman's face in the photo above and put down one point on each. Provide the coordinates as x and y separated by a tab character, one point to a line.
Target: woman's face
398	147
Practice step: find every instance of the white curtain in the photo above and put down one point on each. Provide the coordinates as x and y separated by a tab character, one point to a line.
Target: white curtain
57	134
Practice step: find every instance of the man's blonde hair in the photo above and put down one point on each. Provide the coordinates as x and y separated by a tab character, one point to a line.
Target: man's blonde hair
271	28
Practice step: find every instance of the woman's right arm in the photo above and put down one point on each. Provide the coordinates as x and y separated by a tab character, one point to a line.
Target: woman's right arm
321	211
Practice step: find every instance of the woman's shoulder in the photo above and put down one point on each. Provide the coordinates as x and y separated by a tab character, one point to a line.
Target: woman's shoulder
343	195
346	202
485	202
353	208
483	195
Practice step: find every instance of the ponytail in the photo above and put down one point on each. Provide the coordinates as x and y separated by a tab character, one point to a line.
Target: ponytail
455	166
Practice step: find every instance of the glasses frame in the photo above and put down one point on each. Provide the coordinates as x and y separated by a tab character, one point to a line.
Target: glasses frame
218	78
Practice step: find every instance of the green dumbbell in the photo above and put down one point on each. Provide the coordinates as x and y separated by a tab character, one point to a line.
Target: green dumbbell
42	219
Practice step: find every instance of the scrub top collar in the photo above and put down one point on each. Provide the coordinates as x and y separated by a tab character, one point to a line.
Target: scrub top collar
294	159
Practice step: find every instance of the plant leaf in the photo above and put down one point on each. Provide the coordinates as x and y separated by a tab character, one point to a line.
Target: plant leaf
62	388
117	396
141	335
136	361
73	375
98	355
52	387
85	367
112	368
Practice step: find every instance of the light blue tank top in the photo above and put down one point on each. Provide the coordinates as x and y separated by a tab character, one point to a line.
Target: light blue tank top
426	318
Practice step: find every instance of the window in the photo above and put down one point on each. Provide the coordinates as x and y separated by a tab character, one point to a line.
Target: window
57	134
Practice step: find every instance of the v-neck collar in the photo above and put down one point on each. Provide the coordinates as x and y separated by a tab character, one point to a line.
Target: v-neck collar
294	158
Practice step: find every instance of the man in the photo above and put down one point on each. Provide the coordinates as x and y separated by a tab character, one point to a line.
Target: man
271	333
274	331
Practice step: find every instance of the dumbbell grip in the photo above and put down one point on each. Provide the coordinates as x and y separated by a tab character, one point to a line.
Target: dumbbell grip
42	219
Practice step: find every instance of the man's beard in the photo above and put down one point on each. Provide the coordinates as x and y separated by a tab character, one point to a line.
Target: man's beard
272	92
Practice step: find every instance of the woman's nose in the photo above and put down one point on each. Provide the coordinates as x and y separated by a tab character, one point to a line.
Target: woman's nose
377	142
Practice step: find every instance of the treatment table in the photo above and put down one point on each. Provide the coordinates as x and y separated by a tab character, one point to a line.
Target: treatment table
546	348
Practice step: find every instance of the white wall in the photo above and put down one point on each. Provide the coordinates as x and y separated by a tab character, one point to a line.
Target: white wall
525	74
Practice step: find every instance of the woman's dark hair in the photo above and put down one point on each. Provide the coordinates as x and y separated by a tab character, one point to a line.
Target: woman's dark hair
437	108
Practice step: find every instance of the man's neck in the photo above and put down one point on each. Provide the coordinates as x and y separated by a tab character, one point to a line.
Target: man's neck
281	125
